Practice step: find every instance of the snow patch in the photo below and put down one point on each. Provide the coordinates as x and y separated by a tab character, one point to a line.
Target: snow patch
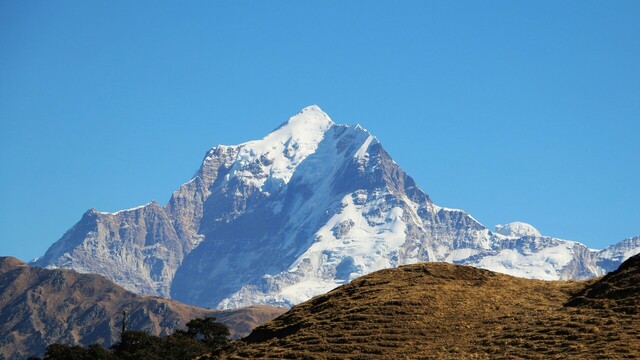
125	210
362	152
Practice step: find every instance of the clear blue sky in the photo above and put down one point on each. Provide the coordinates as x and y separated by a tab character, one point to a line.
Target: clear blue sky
511	110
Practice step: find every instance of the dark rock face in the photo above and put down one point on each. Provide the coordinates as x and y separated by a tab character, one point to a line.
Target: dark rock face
39	307
311	206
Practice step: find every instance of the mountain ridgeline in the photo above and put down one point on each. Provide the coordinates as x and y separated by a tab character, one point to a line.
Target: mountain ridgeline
309	207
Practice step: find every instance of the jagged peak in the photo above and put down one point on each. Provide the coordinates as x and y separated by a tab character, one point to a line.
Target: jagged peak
311	120
283	149
623	249
360	127
278	154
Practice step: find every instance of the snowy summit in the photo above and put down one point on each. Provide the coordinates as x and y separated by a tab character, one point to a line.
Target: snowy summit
517	229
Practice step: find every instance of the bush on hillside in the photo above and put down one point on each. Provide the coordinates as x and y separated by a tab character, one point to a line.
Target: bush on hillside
203	336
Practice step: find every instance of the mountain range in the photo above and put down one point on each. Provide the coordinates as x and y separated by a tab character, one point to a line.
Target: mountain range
311	206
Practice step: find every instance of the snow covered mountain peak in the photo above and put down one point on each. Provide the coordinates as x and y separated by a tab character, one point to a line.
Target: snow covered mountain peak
309	207
517	229
270	162
314	109
307	124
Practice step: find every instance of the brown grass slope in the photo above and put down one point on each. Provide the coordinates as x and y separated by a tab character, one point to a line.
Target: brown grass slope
617	291
39	307
444	311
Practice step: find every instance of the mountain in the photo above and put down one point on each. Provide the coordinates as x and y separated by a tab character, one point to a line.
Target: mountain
311	206
137	248
444	311
610	258
39	307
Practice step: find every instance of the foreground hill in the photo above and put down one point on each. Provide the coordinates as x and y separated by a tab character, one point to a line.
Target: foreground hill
311	206
443	311
39	307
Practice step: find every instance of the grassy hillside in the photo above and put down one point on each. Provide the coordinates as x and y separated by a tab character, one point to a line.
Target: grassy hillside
444	311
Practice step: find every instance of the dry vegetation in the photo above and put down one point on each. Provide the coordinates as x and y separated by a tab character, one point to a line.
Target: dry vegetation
446	311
